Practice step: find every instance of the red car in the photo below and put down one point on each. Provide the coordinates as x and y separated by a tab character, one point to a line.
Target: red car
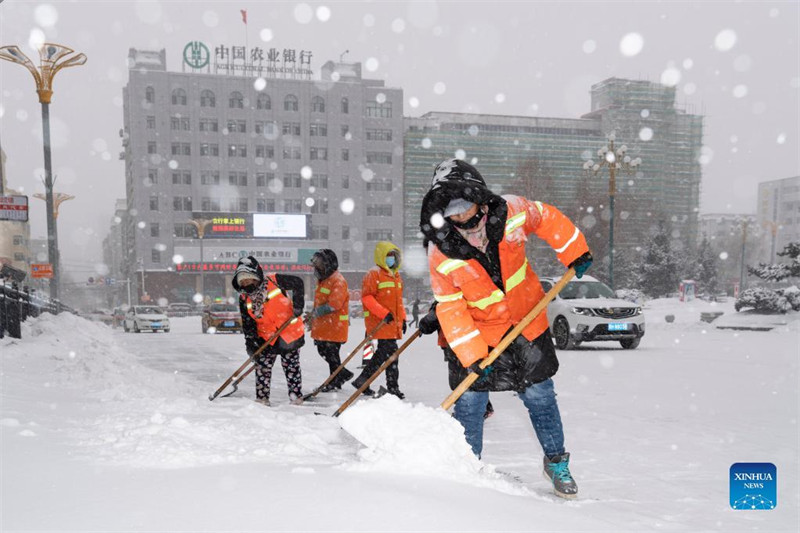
221	317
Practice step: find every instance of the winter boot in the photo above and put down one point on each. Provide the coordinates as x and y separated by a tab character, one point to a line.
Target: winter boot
396	392
331	387
343	377
367	392
557	471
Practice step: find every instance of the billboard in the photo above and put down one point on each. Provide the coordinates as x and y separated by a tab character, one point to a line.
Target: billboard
14	207
280	226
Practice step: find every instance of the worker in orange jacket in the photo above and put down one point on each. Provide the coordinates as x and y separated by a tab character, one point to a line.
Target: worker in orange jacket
265	308
382	298
330	318
484	286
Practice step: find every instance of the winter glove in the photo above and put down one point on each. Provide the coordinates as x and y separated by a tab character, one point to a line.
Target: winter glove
388	318
429	323
322	310
582	264
405	327
483	373
298	311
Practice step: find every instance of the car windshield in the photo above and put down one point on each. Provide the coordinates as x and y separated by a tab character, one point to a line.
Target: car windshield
222	308
586	289
148	310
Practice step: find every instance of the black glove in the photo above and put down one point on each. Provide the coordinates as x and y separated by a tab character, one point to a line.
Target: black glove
429	323
581	264
388	318
483	373
405	327
298	311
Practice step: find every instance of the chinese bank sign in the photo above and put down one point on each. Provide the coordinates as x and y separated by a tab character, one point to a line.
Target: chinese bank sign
260	62
254	225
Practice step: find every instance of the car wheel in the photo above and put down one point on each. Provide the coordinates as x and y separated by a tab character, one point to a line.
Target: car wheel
166	330
136	328
562	335
630	344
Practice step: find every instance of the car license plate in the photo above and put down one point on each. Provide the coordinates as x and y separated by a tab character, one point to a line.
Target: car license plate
618	326
228	324
155	324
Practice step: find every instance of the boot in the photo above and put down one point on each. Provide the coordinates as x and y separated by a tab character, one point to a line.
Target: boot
343	377
367	392
396	392
556	469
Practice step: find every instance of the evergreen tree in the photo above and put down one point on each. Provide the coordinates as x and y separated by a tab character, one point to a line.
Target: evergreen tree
660	268
705	266
780	271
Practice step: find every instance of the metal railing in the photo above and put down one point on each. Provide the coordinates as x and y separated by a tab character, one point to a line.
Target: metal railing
18	303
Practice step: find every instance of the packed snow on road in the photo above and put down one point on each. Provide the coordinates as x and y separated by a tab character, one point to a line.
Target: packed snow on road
109	431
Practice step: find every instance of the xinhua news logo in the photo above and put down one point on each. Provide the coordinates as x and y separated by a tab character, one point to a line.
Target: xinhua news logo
754	486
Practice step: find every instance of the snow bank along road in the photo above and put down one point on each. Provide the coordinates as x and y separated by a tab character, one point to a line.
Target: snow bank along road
108	431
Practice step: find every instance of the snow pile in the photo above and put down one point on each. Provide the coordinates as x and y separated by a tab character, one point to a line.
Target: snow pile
405	439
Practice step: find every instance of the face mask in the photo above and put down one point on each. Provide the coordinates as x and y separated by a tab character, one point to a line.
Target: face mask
249	289
471	222
390	261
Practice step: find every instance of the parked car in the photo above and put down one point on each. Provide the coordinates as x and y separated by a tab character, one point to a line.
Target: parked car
587	310
178	309
146	318
222	317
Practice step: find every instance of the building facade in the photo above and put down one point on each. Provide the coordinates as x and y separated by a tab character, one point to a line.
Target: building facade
543	157
199	144
778	216
14	235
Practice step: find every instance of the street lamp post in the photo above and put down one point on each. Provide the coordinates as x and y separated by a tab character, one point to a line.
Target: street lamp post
52	58
56	199
614	159
200	226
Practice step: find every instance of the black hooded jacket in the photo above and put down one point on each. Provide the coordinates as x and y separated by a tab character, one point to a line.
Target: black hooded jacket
330	263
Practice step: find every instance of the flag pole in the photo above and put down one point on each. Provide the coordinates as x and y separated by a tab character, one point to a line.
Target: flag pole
246	40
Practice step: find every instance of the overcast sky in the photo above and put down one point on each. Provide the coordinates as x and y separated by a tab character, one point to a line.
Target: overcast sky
736	63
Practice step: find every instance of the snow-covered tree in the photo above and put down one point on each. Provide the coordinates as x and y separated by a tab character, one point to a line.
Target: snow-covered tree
660	268
703	266
780	271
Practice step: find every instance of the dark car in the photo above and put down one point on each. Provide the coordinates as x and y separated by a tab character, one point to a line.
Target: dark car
221	317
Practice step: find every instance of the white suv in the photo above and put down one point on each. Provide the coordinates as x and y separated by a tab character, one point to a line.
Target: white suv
588	310
145	318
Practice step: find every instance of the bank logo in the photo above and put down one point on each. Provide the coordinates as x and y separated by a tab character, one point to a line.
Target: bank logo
196	55
753	486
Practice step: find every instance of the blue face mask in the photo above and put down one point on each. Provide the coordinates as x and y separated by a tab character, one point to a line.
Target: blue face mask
390	262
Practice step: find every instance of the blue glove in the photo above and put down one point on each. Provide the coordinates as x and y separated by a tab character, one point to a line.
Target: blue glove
581	264
323	310
483	373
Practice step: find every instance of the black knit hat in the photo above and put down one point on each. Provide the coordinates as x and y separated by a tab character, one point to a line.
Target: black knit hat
247	266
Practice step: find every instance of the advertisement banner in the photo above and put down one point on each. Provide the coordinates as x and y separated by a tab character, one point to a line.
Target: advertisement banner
14	207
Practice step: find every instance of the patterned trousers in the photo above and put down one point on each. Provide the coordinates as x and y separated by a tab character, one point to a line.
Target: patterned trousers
291	367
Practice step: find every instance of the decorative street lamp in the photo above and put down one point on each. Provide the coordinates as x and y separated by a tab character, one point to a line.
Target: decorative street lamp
58	199
52	58
613	159
200	226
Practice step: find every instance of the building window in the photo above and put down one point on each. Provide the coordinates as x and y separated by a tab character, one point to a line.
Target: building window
180	124
290	128
209	124
237	126
151	123
19	256
317	104
181	203
265	151
345	106
378	110
18	240
320	181
242	205
209	204
345	232
151	147
267	129
291	152
319	232
152	176
263	178
155	256
185	230
153	202
379	135
379	210
292	181
263	102
290	103
345	130
236	100
178	97
345	154
154	230
208	149
346	257
237	179
237	150
270	205
207	99
150	95
379	235
318	130
320	206
379	185
384	158
182	178
181	149
293	206
345	182
318	153
261	205
208	177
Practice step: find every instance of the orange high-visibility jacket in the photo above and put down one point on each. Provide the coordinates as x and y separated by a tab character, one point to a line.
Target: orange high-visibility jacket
382	293
333	326
276	311
473	312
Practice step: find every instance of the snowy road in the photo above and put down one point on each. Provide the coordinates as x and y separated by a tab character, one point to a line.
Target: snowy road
103	430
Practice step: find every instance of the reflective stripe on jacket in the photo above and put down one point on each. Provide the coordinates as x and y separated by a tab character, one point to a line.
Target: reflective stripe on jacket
332	327
276	311
473	312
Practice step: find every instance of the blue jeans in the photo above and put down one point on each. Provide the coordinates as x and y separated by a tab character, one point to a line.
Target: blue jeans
539	399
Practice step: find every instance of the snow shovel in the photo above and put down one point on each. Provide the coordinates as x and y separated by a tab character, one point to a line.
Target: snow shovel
377	373
341	366
250	359
508	339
